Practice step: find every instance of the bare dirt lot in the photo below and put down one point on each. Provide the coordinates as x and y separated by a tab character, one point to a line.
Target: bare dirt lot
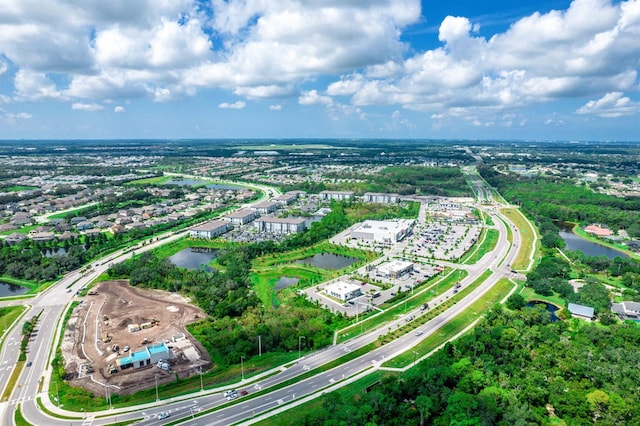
108	318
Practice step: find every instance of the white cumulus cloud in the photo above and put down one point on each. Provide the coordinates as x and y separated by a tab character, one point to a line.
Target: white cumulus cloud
235	105
86	107
611	105
118	108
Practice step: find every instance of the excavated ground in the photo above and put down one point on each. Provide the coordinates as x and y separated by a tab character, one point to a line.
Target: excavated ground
102	320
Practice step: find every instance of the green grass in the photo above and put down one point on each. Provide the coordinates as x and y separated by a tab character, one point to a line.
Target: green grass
555	299
18	418
8	315
488	242
150	181
315	407
528	246
455	326
264	281
323	247
18	188
22	230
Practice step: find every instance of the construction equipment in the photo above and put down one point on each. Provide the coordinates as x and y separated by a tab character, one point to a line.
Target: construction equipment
115	348
112	368
105	318
106	338
154	321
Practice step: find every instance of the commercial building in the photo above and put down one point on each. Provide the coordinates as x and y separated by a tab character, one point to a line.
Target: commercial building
395	268
382	231
342	290
381	198
280	225
241	217
147	356
210	229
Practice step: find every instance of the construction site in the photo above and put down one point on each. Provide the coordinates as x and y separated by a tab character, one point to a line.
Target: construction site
127	338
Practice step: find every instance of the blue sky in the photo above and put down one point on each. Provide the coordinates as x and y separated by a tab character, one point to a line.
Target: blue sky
526	70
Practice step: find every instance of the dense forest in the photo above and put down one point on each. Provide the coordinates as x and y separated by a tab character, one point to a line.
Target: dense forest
405	180
558	199
514	368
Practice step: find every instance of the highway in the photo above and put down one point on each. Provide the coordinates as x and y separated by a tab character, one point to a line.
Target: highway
53	303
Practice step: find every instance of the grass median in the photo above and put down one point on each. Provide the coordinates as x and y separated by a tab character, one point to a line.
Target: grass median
529	243
453	327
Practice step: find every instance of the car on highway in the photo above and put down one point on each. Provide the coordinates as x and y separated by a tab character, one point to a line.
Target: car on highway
163	415
419	333
243	392
29	363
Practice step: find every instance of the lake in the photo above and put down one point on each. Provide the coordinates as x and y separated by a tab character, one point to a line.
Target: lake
328	261
551	308
190	258
575	242
285	282
59	251
7	289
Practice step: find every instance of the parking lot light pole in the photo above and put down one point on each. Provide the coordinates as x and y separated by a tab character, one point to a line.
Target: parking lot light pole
300	345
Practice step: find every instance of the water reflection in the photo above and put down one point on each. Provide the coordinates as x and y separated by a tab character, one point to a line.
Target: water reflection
328	261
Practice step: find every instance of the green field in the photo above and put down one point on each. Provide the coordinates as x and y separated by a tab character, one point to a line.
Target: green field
529	247
18	188
150	181
488	241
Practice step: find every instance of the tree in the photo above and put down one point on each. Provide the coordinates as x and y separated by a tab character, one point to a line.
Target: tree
516	301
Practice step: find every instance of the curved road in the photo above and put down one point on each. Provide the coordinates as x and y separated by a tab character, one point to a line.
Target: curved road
53	302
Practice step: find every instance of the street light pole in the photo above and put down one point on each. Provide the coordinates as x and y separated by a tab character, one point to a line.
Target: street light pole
155	379
259	345
201	384
300	345
242	366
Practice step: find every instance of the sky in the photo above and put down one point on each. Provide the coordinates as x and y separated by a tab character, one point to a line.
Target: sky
467	69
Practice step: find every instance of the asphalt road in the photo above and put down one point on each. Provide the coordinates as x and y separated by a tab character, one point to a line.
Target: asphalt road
52	303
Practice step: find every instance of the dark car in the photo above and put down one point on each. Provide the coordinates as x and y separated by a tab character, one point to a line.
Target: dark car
29	363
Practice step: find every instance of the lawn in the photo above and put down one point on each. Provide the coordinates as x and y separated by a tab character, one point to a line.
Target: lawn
159	180
264	281
530	244
488	241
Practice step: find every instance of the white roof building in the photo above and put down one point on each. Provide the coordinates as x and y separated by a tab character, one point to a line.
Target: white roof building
342	290
382	231
395	268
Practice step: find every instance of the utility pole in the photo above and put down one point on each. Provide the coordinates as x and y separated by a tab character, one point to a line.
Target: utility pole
155	379
242	366
259	345
300	345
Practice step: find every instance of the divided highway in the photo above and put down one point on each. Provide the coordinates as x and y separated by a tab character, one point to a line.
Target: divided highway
52	303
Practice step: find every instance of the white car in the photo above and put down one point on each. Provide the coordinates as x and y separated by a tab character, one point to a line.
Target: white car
163	415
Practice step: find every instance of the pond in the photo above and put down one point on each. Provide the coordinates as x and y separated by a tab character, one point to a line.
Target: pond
328	261
184	182
285	282
8	289
223	186
194	258
59	251
576	242
551	308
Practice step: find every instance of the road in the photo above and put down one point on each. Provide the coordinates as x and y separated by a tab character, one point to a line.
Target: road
53	303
